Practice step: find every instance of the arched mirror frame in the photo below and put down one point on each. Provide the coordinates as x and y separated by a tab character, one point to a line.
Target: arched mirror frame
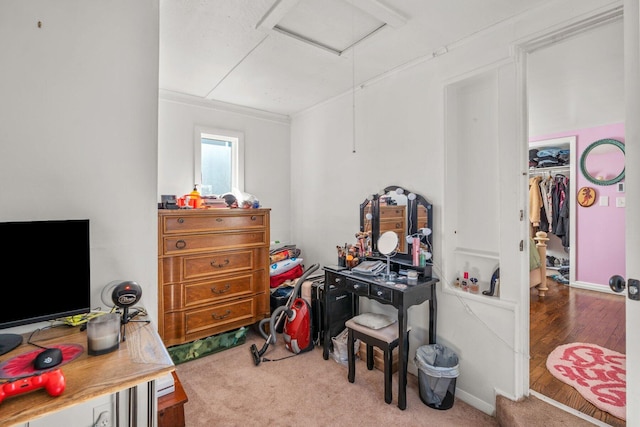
412	219
583	162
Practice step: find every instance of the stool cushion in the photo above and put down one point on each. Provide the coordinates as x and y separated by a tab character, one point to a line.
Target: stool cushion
387	334
373	320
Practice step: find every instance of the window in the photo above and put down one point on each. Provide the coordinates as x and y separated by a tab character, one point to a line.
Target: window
219	161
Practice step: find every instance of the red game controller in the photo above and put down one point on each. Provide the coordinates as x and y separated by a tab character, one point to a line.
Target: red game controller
52	381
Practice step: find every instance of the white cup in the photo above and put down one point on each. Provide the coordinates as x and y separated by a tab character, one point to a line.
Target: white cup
103	334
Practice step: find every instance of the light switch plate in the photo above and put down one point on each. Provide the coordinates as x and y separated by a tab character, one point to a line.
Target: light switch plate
620	202
604	201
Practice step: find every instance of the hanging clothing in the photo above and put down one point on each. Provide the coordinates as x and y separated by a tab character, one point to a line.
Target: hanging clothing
545	191
563	224
535	200
559	196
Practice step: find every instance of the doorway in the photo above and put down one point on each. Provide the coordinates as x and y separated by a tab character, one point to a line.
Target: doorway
574	81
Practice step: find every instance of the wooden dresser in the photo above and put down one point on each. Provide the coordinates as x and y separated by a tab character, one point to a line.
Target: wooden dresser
213	271
392	218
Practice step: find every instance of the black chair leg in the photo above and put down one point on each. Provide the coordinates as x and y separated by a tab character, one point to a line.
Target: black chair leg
369	357
388	361
351	357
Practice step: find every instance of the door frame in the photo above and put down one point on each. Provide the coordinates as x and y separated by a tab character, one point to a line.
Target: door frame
521	51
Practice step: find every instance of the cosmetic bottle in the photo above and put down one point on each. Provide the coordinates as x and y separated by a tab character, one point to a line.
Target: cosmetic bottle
465	282
415	248
473	285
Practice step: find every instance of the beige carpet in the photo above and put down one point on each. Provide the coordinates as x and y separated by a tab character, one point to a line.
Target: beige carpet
227	389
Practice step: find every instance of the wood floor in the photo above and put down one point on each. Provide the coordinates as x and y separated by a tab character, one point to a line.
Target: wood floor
568	315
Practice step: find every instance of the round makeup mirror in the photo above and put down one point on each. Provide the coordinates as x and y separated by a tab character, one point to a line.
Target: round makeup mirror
602	163
388	245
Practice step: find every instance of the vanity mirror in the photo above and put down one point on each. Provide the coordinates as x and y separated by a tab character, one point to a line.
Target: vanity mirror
387	245
602	162
404	212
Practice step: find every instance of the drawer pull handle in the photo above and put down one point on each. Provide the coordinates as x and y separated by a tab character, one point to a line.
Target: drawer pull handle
181	244
397	225
379	293
214	265
180	220
221	291
253	218
216	317
219	219
356	286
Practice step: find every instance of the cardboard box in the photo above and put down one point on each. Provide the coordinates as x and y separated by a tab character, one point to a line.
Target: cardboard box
378	357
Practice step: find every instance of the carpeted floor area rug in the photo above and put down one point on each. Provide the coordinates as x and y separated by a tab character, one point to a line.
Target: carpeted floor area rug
599	374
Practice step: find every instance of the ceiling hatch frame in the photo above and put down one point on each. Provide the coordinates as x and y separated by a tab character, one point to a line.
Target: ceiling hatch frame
373	16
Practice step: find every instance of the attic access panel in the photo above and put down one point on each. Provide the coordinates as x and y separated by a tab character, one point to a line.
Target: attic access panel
333	25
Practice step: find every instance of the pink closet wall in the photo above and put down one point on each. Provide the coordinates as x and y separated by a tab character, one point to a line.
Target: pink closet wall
600	230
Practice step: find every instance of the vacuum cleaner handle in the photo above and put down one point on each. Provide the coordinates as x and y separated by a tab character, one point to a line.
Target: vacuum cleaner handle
302	279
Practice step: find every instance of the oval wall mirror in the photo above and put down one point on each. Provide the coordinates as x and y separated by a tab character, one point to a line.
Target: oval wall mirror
602	162
388	243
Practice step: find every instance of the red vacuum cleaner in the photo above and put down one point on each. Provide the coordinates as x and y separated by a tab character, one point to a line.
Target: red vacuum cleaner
297	331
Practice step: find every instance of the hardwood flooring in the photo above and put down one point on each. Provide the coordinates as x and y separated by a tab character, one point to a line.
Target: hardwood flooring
568	315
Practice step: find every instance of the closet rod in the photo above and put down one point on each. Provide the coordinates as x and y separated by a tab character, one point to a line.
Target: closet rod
549	170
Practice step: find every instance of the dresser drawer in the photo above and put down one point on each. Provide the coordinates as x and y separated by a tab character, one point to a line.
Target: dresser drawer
196	267
391	225
177	269
358	288
381	292
194	223
185	295
334	280
173	245
217	315
387	212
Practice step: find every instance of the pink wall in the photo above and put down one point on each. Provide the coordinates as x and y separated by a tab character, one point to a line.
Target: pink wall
600	230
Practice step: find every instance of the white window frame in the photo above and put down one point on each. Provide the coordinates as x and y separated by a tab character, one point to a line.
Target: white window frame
237	153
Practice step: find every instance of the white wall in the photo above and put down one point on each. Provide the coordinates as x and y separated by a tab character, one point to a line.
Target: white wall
266	151
400	140
78	130
577	83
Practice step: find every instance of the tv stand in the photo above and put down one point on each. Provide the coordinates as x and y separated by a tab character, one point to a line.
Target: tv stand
8	342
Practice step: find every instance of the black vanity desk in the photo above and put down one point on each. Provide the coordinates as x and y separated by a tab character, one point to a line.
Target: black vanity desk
399	294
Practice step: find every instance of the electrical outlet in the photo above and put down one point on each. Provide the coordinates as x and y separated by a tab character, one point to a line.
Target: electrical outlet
102	416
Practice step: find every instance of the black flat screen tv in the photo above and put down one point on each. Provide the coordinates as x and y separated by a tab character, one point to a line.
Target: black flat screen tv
44	271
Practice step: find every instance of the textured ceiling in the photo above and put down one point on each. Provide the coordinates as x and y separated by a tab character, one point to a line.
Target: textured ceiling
284	56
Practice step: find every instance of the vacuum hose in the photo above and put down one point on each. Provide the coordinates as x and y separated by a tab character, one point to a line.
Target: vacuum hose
276	316
272	321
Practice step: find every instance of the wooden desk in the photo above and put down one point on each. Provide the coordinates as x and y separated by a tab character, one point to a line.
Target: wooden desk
398	294
142	358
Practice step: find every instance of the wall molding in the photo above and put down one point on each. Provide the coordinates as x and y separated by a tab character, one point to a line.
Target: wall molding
194	101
